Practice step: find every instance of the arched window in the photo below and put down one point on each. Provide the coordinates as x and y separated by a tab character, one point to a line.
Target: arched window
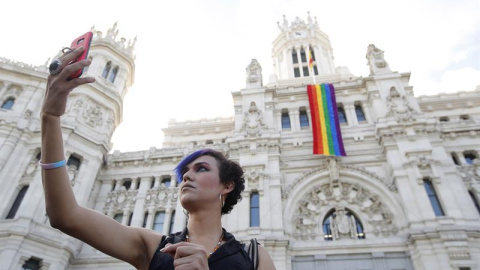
294	56
285	119
159	221
464	117
166	180
106	70
341	114
127	184
16	204
8	104
74	161
444	119
303	55
432	195
305	71
303	117
342	223
296	72
113	74
470	157
32	264
118	217
254	210
359	113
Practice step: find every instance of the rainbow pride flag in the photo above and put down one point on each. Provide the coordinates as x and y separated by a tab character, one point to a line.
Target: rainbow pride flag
327	136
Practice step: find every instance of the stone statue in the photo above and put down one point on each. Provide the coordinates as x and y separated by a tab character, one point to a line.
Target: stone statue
343	225
252	121
333	169
398	106
254	74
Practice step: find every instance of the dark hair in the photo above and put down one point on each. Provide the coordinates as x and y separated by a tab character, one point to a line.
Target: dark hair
229	171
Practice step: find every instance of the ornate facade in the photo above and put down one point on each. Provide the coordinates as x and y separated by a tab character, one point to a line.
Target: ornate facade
406	196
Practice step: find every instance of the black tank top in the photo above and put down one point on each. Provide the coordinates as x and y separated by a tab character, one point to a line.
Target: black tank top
230	255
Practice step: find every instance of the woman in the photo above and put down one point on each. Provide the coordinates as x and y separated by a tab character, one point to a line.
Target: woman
210	186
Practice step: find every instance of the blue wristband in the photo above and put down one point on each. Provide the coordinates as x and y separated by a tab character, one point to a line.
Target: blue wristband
49	166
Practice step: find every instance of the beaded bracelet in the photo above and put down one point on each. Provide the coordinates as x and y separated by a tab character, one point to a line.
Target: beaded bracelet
49	166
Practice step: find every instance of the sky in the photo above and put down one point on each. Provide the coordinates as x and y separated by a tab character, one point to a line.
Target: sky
190	55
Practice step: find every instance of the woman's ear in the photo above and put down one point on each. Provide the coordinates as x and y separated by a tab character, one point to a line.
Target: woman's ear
228	187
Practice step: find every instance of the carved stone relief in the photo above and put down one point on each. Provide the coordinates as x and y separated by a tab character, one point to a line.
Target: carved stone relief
31	167
399	107
253	123
254	73
120	200
335	167
376	59
253	177
93	115
72	174
342	225
306	220
161	197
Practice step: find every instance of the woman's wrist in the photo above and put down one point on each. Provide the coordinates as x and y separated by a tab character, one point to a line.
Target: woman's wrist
50	116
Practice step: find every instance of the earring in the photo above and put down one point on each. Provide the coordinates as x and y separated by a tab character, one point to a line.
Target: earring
222	202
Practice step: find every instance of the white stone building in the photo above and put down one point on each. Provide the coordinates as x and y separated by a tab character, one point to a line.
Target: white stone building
406	196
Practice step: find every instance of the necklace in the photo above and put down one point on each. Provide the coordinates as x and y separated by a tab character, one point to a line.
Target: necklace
215	248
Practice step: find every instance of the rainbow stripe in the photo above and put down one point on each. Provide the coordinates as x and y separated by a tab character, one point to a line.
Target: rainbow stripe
327	136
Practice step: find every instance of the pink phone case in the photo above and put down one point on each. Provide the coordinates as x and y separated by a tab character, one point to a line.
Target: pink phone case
83	40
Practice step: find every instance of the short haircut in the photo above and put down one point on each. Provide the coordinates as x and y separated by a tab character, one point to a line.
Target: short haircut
229	171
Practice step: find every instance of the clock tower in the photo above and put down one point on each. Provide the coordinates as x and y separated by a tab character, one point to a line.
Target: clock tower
291	47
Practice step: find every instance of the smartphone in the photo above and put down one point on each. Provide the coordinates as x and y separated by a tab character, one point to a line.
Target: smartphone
82	41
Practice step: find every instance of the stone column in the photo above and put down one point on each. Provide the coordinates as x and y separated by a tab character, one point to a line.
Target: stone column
157	182
3	90
133	186
278	116
150	217
367	112
7	148
139	208
299	57
166	222
180	218
350	114
309	115
295	124
126	217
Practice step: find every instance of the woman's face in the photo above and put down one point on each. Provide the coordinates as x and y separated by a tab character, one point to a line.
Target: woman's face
201	185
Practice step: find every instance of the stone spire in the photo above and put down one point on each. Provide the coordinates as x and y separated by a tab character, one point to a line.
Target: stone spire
112	32
376	61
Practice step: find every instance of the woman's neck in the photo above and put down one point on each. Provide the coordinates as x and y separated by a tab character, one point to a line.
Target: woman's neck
204	225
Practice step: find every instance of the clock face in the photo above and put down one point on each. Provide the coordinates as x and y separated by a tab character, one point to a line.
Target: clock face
299	34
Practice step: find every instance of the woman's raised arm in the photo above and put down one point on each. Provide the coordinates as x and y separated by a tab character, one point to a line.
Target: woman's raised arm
133	245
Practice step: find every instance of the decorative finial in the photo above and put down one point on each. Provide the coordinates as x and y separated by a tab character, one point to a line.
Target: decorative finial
309	18
112	32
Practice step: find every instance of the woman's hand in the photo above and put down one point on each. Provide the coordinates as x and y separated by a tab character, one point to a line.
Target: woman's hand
187	255
58	88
